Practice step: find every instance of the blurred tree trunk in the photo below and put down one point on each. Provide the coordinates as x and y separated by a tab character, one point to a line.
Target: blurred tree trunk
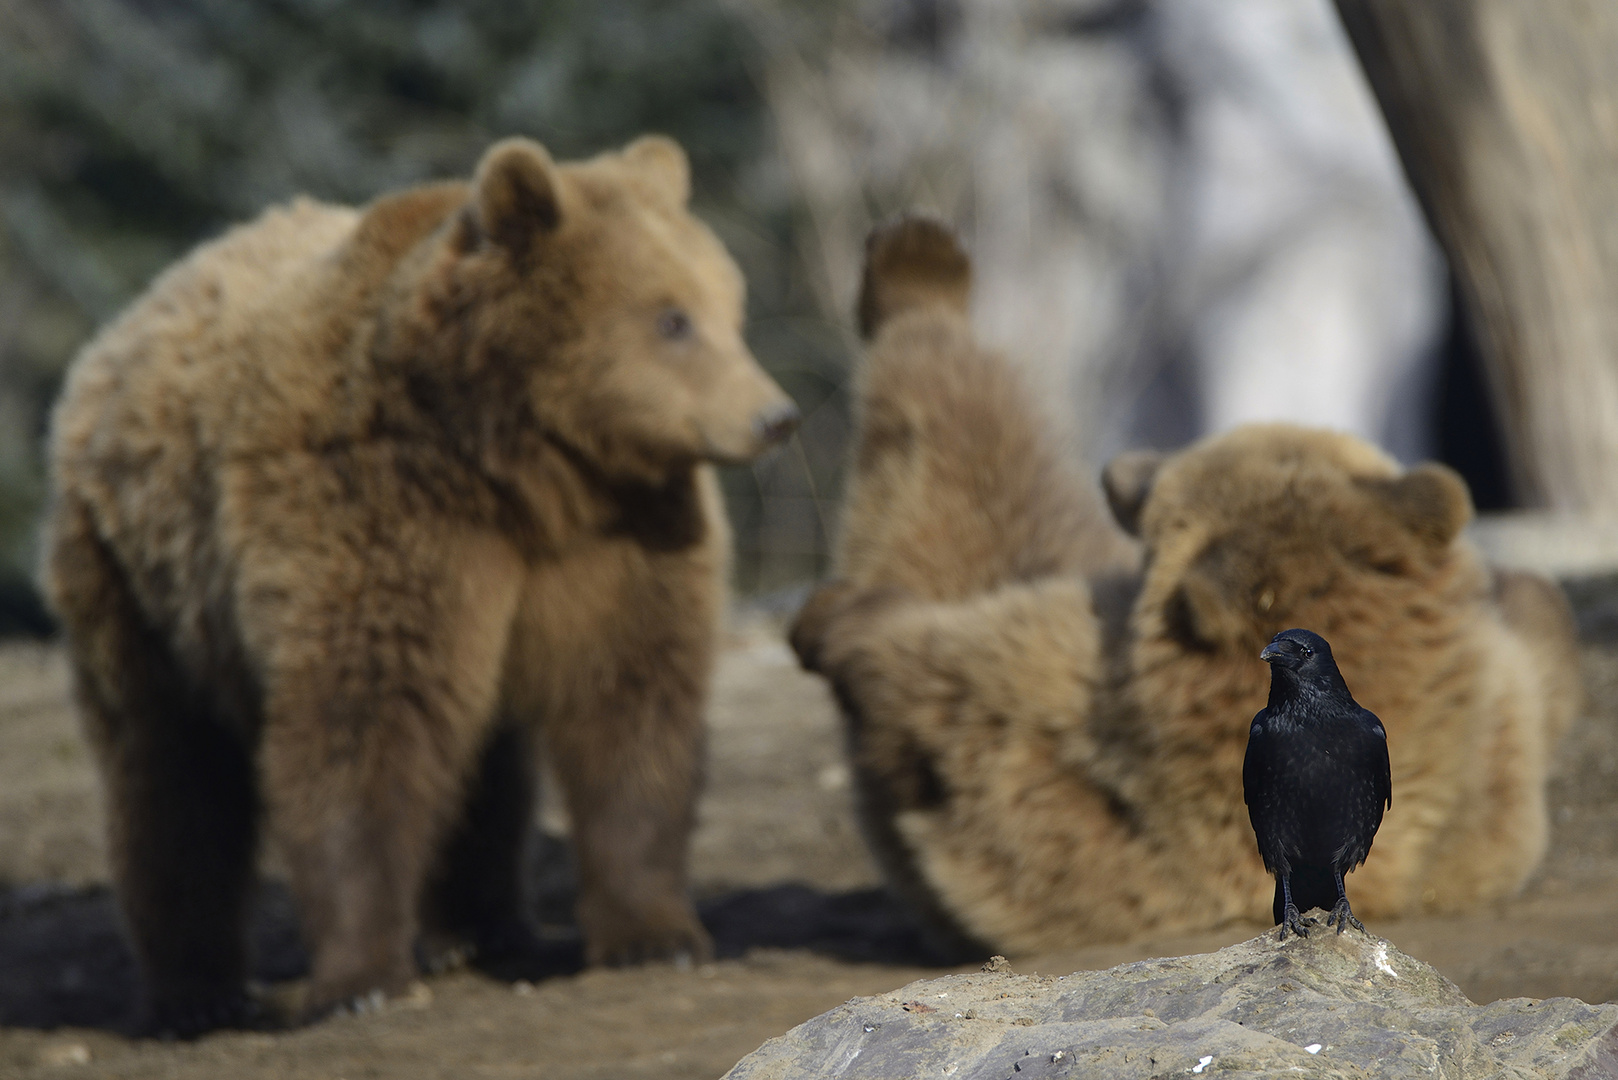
1506	116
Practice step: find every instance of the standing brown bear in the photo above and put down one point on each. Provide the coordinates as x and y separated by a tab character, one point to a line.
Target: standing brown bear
355	505
1049	746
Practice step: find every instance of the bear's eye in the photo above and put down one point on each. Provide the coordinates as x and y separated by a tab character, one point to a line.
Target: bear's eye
674	325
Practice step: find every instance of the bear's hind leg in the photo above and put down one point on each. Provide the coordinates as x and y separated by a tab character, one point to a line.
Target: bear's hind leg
181	796
182	842
959	482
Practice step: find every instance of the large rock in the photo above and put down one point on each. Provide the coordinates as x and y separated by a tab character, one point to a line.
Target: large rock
1328	1005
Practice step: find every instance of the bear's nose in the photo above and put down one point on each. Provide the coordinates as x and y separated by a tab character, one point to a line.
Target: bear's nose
775	423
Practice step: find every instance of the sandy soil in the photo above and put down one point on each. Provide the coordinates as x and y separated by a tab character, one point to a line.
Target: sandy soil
784	884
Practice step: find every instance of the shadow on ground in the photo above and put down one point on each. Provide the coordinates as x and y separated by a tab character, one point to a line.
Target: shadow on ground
64	961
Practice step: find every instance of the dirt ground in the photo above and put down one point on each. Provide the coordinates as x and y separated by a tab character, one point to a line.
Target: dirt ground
783	882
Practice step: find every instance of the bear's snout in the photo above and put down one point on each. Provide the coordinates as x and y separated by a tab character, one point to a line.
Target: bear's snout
744	416
775	423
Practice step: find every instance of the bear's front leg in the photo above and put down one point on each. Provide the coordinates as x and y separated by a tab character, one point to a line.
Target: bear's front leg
612	655
476	897
380	680
361	792
632	769
615	654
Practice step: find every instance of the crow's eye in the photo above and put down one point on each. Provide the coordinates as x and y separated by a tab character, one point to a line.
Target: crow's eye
674	325
1307	652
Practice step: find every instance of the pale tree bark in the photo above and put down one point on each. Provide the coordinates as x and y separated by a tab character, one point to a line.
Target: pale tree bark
1182	214
1506	116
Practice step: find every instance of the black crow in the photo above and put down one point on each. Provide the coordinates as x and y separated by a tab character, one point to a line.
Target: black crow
1316	780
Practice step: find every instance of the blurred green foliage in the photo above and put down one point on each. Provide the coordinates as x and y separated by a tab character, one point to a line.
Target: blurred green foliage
131	129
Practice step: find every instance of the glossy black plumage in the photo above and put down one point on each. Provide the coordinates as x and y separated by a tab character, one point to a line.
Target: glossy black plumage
1316	779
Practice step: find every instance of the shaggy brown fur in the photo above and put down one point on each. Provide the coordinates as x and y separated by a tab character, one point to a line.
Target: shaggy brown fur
1051	755
960	515
953	490
350	506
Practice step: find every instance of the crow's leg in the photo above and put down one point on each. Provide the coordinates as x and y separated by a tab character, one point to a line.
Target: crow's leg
1341	916
1290	918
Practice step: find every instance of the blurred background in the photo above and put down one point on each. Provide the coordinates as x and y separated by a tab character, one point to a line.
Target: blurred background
1185	214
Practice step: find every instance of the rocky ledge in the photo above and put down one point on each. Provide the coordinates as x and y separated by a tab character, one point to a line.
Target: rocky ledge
1328	1005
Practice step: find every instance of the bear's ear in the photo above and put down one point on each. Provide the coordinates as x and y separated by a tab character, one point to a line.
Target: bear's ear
1127	480
1430	500
910	262
515	193
660	159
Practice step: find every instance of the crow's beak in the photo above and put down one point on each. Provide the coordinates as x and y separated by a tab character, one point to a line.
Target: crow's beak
1270	653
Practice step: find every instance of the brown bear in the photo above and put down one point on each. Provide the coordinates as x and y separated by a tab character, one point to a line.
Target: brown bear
1049	752
352	509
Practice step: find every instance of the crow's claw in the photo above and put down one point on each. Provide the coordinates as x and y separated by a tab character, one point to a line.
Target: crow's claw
1292	920
1342	918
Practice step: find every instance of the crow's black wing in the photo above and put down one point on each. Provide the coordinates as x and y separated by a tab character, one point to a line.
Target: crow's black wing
1368	789
1275	824
1252	762
1385	776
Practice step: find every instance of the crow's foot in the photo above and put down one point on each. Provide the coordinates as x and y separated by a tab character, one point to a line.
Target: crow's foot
1292	920
1342	918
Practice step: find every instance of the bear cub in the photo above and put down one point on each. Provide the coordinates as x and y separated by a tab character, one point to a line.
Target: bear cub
1048	704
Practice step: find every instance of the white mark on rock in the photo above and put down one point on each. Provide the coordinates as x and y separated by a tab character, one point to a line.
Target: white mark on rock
1202	1063
1312	1048
1381	958
1059	1055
